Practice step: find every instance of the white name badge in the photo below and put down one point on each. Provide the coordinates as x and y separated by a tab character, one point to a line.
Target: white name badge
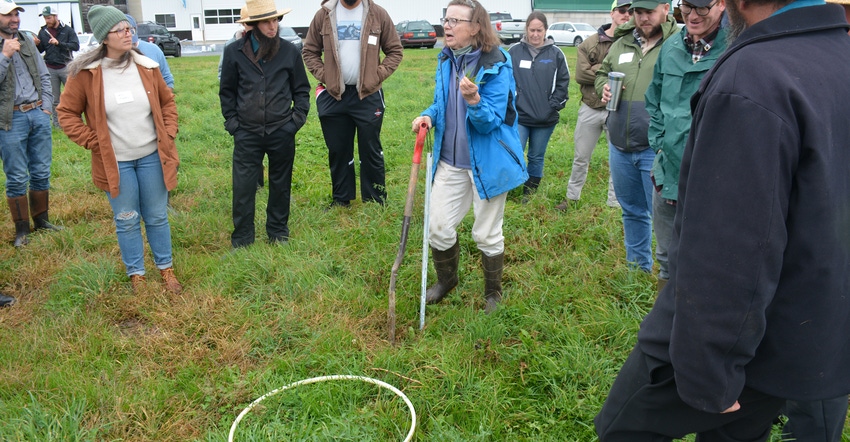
123	97
626	58
525	64
373	39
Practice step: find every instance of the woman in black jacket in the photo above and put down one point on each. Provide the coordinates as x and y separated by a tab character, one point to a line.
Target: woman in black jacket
542	78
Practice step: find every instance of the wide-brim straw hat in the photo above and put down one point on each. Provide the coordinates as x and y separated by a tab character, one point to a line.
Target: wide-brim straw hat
259	10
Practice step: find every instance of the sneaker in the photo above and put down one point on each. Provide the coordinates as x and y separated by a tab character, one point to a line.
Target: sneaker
169	280
6	300
279	241
137	282
338	203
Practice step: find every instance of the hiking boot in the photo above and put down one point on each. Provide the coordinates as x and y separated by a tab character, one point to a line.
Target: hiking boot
137	282
169	280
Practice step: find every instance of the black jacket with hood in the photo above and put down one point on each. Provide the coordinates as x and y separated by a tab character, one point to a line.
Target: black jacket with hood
542	83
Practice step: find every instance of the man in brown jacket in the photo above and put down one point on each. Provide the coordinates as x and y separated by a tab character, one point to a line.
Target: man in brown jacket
352	34
592	114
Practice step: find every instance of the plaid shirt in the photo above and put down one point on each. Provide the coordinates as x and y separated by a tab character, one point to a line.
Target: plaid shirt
700	48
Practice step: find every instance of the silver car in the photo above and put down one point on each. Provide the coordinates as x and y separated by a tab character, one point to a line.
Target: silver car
566	33
291	36
87	43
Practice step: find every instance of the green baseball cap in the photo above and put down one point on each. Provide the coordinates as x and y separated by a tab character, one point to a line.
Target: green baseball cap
647	4
47	11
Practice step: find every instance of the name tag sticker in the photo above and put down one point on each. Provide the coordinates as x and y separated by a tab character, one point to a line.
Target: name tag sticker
373	39
123	97
525	64
626	58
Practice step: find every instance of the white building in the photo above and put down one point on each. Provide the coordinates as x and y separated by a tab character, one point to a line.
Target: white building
68	12
215	20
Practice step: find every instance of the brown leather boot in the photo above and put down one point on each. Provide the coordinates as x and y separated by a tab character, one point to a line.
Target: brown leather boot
137	282
493	266
169	280
445	263
21	218
39	202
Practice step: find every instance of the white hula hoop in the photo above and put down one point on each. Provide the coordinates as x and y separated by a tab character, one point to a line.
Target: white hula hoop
338	377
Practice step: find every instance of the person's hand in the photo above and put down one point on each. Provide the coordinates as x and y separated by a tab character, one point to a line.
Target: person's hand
418	122
53	41
36	40
10	46
735	407
469	91
606	94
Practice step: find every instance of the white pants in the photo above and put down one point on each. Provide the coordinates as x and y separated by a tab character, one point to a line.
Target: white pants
452	192
589	126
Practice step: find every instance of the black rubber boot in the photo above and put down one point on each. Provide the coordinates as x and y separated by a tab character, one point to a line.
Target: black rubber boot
530	187
39	203
660	284
20	216
445	263
493	266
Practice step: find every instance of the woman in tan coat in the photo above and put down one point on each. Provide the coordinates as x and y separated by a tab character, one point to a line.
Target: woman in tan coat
130	125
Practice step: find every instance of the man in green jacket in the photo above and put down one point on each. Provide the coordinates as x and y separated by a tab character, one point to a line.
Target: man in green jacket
683	61
630	158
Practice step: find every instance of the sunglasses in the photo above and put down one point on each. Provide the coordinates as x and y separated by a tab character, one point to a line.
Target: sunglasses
624	10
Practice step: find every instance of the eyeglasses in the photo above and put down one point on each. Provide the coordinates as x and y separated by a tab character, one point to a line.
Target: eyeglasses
124	31
701	11
452	22
624	10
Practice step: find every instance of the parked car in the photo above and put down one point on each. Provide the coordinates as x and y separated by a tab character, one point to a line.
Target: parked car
87	43
291	36
509	29
416	34
566	33
157	34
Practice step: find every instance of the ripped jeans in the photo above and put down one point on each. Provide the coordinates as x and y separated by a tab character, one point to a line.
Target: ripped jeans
142	196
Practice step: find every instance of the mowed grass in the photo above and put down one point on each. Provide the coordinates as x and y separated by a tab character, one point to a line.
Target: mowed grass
82	358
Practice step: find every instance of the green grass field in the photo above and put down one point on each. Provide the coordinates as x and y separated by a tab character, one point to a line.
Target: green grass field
82	358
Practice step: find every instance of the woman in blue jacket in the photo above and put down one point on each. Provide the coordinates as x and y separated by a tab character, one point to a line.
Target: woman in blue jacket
477	154
542	80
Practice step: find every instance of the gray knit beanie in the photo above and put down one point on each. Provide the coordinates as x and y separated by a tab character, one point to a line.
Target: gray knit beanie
102	19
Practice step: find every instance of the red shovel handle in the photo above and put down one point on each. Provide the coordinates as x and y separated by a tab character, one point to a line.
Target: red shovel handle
420	143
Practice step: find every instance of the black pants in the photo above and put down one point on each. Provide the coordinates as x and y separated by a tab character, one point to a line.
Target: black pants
644	406
248	153
815	421
340	120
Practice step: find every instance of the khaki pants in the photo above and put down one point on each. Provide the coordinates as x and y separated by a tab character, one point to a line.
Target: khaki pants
589	126
452	193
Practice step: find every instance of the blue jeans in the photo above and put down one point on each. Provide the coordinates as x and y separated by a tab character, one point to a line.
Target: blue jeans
142	191
27	151
630	173
537	138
